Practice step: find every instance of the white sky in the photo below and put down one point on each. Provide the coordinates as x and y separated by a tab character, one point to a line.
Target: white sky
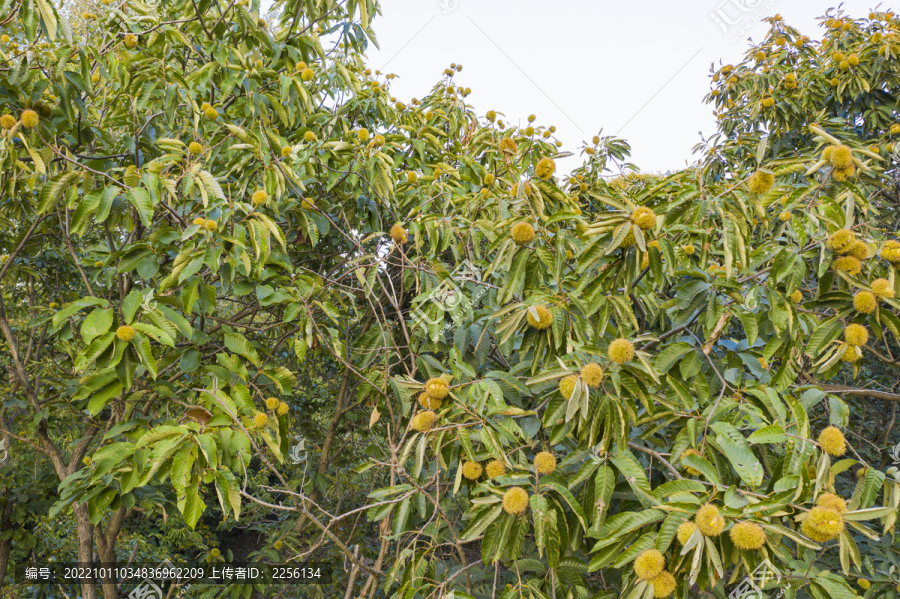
636	69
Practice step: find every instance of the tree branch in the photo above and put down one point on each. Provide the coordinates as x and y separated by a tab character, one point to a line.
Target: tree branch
860	392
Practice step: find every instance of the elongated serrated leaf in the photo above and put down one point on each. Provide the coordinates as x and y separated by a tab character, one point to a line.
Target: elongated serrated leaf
212	184
480	522
739	454
53	190
768	434
140	199
570	499
237	343
670	355
192	507
703	466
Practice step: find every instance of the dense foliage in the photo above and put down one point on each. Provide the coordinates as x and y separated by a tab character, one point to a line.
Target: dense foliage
254	308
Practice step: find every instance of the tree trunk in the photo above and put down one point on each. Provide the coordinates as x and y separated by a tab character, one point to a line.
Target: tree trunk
325	457
85	547
5	546
107	560
82	519
106	549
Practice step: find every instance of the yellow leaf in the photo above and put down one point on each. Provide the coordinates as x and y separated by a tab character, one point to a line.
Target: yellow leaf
38	161
49	18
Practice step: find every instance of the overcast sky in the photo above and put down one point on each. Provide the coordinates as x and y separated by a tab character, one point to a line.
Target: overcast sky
638	70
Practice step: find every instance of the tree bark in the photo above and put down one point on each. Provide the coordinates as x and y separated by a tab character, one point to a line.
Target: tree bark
106	549
342	400
859	392
63	470
6	545
85	547
354	571
325	457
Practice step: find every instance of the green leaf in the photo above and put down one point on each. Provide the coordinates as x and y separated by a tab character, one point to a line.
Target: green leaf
237	343
212	185
827	330
669	356
271	226
189	295
675	487
632	470
619	526
192	506
96	323
687	293
48	15
539	515
868	513
401	517
838	412
90	354
130	305
480	522
703	466
385	492
647	541
570	499
142	202
551	526
221	492
738	451
868	488
713	556
109	194
761	150
160	453
604	484
773	433
70	309
832	589
178	320
142	346
273	445
668	530
109	456
751	327
88	204
587	469
155	333
791	534
234	493
182	466
640	589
